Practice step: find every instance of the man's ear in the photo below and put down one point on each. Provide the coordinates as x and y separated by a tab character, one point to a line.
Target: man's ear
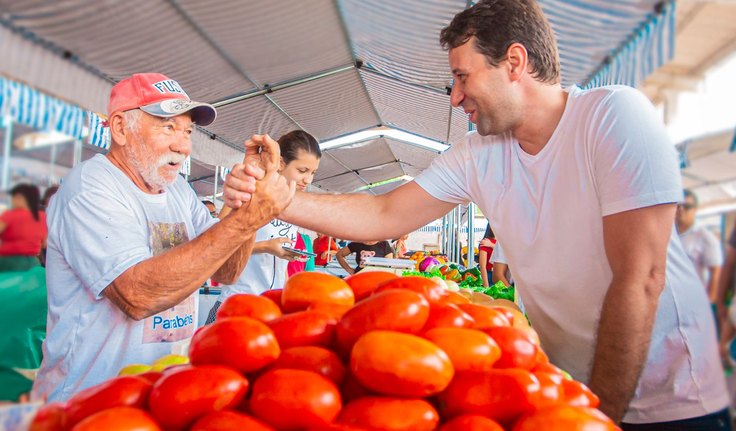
518	60
118	132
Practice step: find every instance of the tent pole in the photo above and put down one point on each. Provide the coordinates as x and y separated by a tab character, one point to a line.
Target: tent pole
5	181
217	175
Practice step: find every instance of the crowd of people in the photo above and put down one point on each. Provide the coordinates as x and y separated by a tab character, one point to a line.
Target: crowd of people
582	189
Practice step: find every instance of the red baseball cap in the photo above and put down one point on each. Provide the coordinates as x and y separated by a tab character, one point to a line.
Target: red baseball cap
158	95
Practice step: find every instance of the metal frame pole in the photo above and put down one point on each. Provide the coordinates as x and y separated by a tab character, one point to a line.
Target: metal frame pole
5	180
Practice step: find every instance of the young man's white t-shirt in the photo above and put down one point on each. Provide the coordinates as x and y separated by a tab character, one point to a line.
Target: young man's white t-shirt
264	271
609	154
703	249
101	224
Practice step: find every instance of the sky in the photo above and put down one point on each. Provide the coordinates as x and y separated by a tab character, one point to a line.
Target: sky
711	109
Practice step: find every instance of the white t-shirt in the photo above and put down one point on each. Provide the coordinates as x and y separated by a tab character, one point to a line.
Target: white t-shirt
264	271
101	224
703	249
609	154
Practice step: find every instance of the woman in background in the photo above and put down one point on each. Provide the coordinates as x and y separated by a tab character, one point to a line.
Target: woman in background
22	230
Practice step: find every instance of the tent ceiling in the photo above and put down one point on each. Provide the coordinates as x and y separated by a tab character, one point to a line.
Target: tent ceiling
396	74
706	35
709	171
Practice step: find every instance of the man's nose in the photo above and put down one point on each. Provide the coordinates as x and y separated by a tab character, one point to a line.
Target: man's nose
182	144
456	96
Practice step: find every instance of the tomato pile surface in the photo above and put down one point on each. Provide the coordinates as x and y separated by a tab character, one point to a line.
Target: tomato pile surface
372	352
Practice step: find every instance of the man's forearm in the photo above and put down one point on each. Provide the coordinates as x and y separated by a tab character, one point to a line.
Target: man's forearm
230	271
624	335
165	280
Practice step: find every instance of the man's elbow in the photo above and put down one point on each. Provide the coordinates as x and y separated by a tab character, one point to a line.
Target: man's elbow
225	278
654	283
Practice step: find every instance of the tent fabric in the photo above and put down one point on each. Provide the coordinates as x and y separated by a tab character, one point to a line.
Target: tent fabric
264	63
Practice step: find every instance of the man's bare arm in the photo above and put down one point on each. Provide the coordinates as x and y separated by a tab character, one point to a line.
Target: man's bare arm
362	217
636	246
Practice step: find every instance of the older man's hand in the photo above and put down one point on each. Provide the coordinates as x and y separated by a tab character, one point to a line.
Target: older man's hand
240	182
272	193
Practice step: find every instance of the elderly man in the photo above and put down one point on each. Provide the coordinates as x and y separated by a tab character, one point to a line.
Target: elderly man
130	243
580	187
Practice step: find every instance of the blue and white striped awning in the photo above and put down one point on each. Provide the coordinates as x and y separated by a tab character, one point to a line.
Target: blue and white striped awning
24	105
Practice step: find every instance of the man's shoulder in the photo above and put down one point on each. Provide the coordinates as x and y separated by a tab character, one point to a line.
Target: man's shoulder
612	96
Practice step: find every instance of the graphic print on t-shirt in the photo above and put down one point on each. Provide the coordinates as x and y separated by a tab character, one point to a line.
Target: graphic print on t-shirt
365	254
176	323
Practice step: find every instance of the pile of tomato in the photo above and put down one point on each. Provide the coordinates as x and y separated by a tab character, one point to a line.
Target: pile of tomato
372	352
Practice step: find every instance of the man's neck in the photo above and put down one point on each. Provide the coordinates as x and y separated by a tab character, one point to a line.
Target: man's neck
682	227
117	158
542	113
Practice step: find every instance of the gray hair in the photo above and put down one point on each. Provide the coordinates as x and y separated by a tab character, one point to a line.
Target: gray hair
132	117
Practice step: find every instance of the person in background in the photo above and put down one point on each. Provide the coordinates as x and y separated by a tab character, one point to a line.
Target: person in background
581	187
484	255
727	316
130	243
363	250
267	267
22	230
210	207
303	263
501	271
400	246
324	247
701	246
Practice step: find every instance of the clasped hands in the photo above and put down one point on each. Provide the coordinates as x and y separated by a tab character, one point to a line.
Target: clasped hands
256	182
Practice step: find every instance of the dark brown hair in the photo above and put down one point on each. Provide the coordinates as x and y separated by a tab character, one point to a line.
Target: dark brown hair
296	140
497	24
32	196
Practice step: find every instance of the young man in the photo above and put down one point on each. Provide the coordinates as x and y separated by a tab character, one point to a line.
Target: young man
701	246
130	244
580	187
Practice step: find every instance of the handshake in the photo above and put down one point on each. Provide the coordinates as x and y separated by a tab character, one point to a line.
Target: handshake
256	182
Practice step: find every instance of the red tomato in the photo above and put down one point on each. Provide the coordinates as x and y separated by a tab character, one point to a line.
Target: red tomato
485	317
50	417
295	399
151	376
551	391
229	421
245	305
336	311
399	364
400	414
430	289
546	367
239	342
131	391
517	349
471	423
565	418
274	295
579	395
501	395
447	316
118	419
394	310
304	328
454	298
468	349
307	288
312	358
364	283
184	395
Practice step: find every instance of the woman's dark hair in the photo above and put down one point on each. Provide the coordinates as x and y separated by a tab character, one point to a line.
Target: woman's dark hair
489	232
47	196
32	196
296	140
497	24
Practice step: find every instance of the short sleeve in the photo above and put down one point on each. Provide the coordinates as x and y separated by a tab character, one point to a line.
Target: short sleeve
353	247
498	254
446	178
100	238
713	255
387	248
635	162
